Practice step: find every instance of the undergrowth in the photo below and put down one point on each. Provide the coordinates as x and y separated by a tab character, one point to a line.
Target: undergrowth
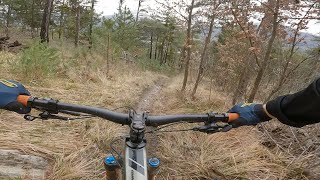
155	65
36	62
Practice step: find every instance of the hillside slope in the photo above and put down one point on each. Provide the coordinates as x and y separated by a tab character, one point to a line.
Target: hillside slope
75	149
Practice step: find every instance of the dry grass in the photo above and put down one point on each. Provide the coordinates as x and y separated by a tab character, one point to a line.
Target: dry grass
75	149
237	154
179	103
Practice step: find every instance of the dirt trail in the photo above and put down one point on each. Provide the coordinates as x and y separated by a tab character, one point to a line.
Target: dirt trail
149	95
145	104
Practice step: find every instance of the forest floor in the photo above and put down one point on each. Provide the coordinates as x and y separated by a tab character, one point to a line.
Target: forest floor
74	150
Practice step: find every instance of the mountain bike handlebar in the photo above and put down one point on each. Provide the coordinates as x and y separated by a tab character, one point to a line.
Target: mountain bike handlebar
120	118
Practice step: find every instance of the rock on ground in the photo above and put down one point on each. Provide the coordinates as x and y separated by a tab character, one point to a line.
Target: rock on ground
14	164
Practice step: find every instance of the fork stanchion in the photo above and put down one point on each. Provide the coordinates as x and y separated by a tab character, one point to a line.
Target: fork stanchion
113	169
153	168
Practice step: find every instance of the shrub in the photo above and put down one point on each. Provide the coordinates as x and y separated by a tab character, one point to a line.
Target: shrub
37	61
154	65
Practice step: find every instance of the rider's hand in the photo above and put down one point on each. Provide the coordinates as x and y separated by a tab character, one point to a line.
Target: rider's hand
250	114
9	91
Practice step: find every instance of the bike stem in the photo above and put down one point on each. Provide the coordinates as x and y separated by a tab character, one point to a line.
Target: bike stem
137	128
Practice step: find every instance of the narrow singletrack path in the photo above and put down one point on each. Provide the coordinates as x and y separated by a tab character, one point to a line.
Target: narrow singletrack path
149	95
145	104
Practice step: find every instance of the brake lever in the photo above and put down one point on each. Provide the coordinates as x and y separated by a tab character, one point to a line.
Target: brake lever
45	115
51	116
213	128
28	117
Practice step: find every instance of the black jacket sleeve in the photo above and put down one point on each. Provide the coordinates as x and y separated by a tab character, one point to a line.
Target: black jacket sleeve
298	109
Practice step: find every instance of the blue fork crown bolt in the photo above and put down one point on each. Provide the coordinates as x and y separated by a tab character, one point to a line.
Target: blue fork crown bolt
110	163
109	160
154	162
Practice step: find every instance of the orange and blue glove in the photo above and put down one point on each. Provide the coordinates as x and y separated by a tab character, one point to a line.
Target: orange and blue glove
250	114
9	91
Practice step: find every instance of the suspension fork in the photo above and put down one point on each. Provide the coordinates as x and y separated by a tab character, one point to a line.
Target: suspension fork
136	166
112	167
153	168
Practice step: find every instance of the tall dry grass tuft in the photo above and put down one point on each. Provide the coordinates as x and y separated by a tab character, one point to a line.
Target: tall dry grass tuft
6	59
102	133
237	154
82	163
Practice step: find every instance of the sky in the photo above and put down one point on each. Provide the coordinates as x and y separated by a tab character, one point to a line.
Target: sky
109	7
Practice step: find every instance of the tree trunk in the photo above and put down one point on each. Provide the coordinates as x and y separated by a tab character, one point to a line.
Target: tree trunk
266	58
166	54
210	89
32	20
77	36
241	87
188	48
203	57
91	23
138	11
171	57
51	10
8	21
44	33
108	51
182	58
162	51
61	20
151	45
156	48
24	26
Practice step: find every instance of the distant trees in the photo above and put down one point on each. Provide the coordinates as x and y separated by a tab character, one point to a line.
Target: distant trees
124	26
68	18
212	13
91	21
61	11
26	13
